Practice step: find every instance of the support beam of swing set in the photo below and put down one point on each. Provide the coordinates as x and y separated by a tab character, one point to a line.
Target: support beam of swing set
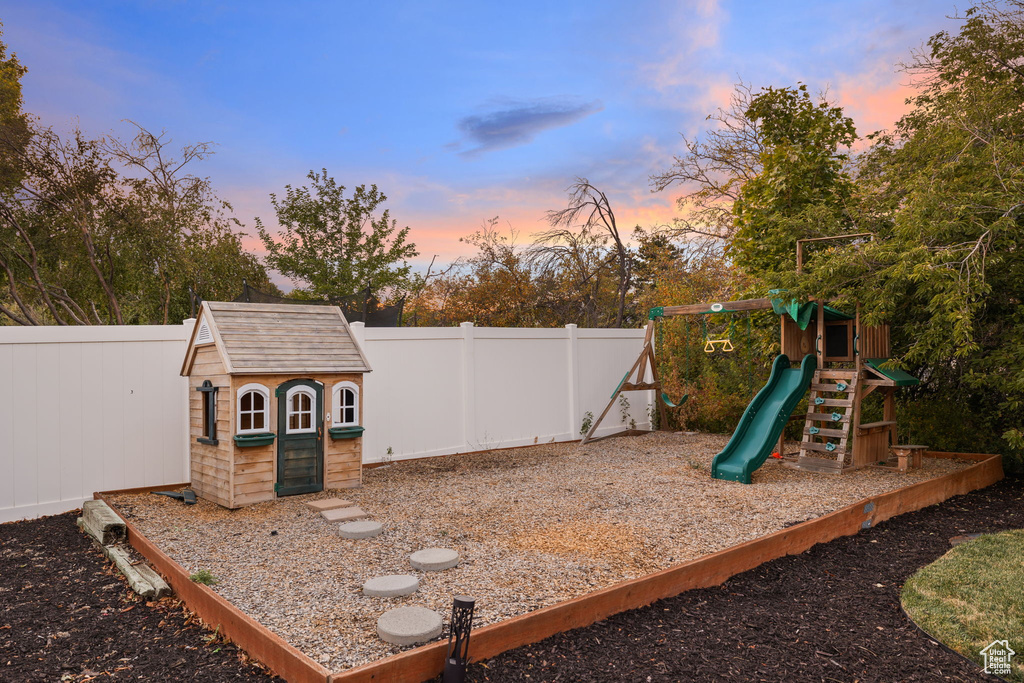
646	357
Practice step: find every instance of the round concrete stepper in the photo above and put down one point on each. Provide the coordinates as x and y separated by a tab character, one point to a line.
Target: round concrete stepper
434	559
364	529
391	586
409	625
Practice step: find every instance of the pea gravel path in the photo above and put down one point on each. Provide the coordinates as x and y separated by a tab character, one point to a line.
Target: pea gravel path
534	526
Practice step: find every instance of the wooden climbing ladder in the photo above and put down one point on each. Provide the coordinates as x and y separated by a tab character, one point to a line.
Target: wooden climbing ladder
826	442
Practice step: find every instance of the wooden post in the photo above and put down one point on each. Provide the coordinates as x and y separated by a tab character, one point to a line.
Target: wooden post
819	347
648	337
889	413
662	414
858	454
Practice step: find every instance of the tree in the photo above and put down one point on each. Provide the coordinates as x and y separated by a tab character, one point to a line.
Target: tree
713	169
590	220
656	254
803	187
14	123
83	242
335	245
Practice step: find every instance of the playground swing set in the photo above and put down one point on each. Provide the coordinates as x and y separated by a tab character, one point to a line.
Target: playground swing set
842	364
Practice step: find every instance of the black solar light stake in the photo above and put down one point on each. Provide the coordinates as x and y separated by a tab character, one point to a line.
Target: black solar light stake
458	639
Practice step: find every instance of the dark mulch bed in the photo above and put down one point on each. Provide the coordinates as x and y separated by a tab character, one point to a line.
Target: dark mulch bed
830	614
65	615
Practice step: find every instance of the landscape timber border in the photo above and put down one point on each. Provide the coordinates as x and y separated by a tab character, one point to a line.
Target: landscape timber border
427	661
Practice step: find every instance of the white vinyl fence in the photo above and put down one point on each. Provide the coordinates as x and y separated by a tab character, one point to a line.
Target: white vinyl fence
439	390
86	409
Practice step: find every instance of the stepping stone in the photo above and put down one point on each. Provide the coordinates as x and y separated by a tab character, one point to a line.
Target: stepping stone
391	586
364	529
344	514
434	559
329	504
409	625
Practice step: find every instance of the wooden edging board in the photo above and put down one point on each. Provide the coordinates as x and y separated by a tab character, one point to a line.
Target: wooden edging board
427	661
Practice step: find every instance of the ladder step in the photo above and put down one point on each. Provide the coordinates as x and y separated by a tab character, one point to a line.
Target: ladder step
835	433
835	402
827	417
847	375
822	448
812	464
830	387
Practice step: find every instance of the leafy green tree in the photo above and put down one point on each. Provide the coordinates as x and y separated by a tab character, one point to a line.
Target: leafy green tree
14	123
803	187
102	231
337	245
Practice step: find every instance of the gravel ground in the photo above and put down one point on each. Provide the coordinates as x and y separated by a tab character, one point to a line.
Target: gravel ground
534	526
830	614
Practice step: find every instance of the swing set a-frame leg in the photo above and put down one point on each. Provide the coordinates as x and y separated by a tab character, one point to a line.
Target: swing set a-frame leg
646	356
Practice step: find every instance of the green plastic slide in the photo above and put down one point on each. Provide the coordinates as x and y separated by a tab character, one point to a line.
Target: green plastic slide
763	420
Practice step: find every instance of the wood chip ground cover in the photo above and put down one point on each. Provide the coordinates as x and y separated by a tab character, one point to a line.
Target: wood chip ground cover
534	526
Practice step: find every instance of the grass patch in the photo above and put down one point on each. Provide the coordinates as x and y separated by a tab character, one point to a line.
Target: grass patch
205	577
973	595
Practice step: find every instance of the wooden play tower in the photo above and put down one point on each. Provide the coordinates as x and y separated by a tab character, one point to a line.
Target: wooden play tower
851	361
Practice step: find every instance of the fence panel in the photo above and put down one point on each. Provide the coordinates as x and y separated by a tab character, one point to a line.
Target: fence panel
87	409
435	391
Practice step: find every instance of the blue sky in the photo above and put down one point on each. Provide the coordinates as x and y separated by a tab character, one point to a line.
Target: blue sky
458	111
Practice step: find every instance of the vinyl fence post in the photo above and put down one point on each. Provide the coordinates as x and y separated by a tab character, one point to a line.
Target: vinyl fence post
573	367
186	441
468	387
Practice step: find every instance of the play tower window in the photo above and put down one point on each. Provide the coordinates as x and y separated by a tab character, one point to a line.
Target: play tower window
839	341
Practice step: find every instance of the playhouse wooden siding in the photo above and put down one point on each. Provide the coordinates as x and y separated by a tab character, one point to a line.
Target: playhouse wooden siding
211	465
254	471
238	344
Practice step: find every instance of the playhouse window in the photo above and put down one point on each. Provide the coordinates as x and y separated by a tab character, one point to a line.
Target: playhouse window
301	403
209	394
346	404
253	409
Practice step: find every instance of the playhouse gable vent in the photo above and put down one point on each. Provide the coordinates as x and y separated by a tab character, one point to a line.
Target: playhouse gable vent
204	336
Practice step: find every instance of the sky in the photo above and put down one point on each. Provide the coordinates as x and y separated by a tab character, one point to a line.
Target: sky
458	111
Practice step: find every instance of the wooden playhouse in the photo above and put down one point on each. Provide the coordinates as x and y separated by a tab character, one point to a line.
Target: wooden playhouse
275	401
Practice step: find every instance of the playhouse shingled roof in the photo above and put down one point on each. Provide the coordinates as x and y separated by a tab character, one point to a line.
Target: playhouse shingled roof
276	338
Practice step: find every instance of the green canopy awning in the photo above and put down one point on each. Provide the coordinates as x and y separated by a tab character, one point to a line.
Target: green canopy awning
901	378
803	313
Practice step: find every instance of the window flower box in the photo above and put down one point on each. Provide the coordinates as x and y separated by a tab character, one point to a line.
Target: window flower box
262	439
352	432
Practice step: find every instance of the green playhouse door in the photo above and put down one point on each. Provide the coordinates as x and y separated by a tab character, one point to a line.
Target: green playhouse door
300	446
